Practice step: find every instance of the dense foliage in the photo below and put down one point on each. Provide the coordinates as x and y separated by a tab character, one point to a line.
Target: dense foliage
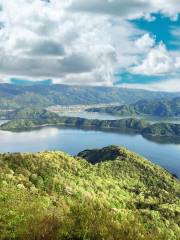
29	118
52	195
30	114
41	95
157	108
162	129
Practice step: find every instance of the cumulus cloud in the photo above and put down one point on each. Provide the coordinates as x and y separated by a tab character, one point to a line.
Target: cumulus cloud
145	42
40	67
128	9
170	8
158	62
54	43
61	40
46	48
170	85
121	8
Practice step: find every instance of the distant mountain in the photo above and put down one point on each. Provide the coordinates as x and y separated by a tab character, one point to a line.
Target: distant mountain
155	108
51	195
14	96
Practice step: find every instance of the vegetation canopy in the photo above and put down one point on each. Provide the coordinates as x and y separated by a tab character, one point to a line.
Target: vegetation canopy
37	117
107	194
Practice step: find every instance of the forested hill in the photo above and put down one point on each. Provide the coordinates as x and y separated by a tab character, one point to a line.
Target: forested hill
41	95
51	195
30	118
29	113
155	108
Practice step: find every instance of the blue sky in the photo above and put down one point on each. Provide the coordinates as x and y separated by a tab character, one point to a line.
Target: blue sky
123	43
161	28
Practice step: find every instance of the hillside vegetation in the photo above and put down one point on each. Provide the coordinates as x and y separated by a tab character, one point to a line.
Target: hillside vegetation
53	196
14	96
29	118
30	114
155	108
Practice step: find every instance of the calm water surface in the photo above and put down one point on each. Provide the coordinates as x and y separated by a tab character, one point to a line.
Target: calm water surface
90	115
73	141
105	116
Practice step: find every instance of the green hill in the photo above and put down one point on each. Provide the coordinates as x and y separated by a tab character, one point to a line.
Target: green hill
30	114
14	96
29	118
162	129
51	195
155	108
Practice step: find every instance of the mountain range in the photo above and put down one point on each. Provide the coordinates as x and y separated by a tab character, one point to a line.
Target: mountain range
13	96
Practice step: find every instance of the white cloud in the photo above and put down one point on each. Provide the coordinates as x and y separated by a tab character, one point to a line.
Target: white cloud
170	85
44	40
170	8
145	42
129	9
61	40
121	8
158	62
177	63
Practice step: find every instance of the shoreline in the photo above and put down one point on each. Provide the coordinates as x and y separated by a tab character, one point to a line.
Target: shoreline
150	137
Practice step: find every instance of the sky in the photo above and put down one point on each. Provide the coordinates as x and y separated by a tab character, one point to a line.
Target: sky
123	43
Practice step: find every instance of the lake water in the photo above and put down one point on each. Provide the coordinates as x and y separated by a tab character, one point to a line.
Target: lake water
90	115
105	116
73	141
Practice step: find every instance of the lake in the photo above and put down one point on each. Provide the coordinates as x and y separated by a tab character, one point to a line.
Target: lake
90	115
105	116
73	141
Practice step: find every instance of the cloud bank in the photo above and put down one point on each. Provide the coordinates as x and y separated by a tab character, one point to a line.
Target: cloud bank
83	42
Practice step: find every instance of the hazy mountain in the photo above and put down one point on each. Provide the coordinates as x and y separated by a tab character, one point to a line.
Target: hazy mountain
42	95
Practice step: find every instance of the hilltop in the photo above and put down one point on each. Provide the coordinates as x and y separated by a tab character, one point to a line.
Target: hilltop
110	193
